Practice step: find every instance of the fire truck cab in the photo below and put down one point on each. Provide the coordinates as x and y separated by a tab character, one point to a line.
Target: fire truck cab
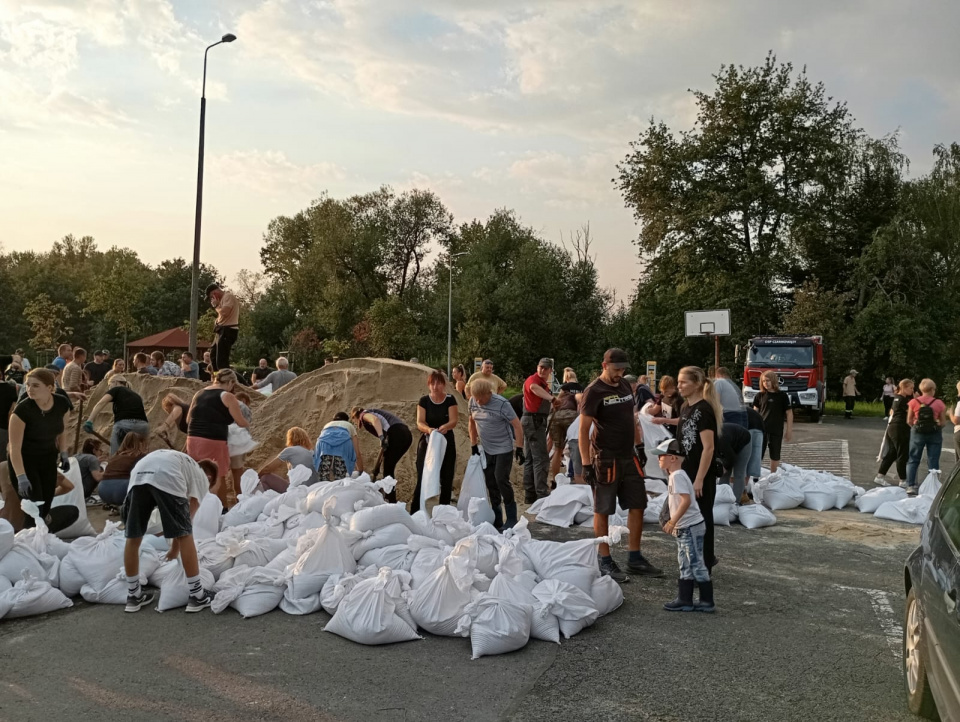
798	363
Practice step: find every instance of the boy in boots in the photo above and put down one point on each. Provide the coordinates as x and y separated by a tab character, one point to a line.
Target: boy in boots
681	517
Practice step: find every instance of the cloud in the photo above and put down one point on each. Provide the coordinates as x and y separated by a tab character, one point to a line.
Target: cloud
566	181
270	172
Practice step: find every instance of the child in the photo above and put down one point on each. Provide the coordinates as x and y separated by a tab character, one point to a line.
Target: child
682	518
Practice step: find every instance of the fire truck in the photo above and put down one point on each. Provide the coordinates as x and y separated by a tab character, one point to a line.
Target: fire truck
798	363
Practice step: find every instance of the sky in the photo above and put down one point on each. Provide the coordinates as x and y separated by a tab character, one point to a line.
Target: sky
521	104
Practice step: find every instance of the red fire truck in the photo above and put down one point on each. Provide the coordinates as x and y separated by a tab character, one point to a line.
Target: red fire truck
798	362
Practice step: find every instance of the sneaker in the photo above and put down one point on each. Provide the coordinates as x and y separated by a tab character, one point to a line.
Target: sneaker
644	568
134	603
903	485
912	490
197	604
881	479
93	500
610	569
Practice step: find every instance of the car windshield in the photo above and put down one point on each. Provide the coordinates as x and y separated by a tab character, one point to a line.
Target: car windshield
781	356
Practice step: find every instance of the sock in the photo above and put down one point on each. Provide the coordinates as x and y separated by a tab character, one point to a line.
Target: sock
196	586
133	586
634	556
606	559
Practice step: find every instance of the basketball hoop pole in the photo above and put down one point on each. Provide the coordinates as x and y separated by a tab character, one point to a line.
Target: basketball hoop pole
716	348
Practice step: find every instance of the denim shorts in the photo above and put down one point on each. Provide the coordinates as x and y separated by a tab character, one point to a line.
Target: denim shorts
142	499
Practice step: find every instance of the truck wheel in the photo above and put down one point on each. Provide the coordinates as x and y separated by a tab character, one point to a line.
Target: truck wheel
919	697
815	416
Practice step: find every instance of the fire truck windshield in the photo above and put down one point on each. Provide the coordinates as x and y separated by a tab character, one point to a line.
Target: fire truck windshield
781	356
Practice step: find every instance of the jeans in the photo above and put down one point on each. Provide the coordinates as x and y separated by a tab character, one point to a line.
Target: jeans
754	468
537	464
124	427
573	448
933	443
113	491
736	476
690	553
497	478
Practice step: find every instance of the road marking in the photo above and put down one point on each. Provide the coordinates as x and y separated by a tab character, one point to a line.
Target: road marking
832	456
889	622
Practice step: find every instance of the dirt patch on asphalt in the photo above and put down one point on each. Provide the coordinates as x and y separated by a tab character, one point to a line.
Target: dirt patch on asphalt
853	527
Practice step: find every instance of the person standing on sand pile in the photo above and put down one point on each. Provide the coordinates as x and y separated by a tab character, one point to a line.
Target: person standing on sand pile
486	372
71	378
275	379
64	354
227	326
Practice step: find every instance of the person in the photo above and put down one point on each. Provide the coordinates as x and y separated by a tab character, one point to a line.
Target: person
128	412
850	393
37	440
297	452
226	328
494	424
460	379
537	403
119	367
612	456
955	420
64	354
14	372
8	400
206	368
897	436
774	406
889	391
486	372
176	410
237	460
165	367
260	372
641	390
281	377
394	434
568	403
116	477
734	447
730	398
174	484
91	472
573	451
666	404
71	378
436	411
143	364
189	368
755	465
687	524
337	451
97	369
700	422
24	361
211	412
926	415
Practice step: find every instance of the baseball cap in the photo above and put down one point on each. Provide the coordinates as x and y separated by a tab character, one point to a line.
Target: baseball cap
211	288
617	358
546	363
670	447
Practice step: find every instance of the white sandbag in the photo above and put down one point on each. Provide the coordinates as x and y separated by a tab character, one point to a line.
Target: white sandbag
239	441
320	553
6	536
473	486
819	496
931	484
22	559
561	506
573	607
4	586
259	551
95	560
244	511
535	507
496	626
338	586
389	535
480	512
300	607
653	434
607	595
912	510
219	554
651	515
845	494
512	584
38	537
350	495
755	516
426	562
779	494
31	596
724	495
445	524
375	517
251	592
574	562
266	529
113	592
438	603
655	486
74	497
206	522
398	556
174	592
561	479
374	612
482	552
724	514
870	501
430	482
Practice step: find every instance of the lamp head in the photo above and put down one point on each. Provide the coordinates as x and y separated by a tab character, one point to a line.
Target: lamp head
228	38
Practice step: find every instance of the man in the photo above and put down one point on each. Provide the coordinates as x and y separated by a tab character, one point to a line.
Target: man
281	377
97	368
850	393
204	373
734	411
71	379
486	372
612	458
24	361
537	403
143	364
260	372
64	354
165	367
174	484
227	326
189	367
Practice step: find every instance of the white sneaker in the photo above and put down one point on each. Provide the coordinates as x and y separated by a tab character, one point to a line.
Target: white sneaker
903	484
881	480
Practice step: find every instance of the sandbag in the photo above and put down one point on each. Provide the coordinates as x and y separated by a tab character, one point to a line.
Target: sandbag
651	515
653	434
573	561
389	535
376	517
259	551
473	486
397	556
445	524
912	510
338	586
562	505
819	497
206	522
113	592
350	494
655	486
480	512
22	559
426	562
432	460
607	595
725	495
95	560
931	484
246	510
174	592
31	596
438	603
239	441
845	494
482	551
374	612
755	516
219	554
574	608
870	501
82	526
251	592
778	494
6	537
496	626
302	606
320	553
511	584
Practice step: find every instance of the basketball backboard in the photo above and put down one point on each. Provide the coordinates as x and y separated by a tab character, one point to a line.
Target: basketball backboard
707	323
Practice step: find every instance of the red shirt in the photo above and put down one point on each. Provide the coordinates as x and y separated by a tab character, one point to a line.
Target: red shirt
936	405
533	404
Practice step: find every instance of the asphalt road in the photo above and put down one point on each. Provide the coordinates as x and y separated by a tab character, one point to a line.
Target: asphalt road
807	628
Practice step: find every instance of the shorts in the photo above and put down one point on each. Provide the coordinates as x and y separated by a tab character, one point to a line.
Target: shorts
216	450
628	489
774	442
236	462
559	424
573	448
142	499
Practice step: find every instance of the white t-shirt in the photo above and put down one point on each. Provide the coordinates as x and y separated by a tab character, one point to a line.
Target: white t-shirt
573	431
171	471
342	425
680	483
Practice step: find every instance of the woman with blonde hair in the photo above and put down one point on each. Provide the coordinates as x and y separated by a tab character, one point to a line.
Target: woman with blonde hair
699	423
297	452
897	435
119	367
774	406
926	416
567	409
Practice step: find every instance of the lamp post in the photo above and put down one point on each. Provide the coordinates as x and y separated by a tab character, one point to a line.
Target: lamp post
195	280
450	258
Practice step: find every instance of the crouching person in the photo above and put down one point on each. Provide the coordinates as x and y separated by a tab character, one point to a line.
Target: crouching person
174	484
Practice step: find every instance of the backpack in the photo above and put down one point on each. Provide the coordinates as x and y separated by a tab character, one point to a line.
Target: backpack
926	420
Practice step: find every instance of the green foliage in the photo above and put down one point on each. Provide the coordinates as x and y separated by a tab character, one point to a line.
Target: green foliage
48	321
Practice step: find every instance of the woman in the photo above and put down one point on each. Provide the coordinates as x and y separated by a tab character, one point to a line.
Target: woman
926	416
698	426
296	453
211	412
37	440
90	470
176	410
116	477
119	367
460	379
955	420
889	392
437	411
337	452
666	404
897	435
128	412
774	406
566	410
394	434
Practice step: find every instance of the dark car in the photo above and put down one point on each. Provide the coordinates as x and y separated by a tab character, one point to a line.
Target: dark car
931	629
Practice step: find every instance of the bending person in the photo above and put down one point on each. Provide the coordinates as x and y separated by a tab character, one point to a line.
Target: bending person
337	452
394	434
128	412
297	452
437	411
116	477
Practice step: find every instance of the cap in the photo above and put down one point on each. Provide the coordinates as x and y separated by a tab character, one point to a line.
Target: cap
670	447
853	372
211	288
616	357
546	363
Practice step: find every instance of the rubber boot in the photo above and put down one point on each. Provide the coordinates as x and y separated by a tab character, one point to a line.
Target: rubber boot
684	600
511	511
706	598
498	516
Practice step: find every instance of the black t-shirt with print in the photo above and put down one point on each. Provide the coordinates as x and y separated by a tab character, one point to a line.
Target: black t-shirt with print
612	408
41	428
127	404
8	399
437	414
695	419
898	410
773	407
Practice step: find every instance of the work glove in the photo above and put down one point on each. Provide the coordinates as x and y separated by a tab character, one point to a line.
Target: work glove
64	461
384	442
590	474
475	450
23	484
641	454
520	457
88	426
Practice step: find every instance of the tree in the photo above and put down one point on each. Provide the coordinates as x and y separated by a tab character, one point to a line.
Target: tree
117	290
48	321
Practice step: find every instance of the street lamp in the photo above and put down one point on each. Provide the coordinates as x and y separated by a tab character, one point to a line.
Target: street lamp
450	258
195	281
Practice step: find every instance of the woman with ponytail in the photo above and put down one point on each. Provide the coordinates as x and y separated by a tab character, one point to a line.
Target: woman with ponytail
701	418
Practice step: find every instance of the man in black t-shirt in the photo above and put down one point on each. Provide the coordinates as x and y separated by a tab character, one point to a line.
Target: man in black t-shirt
612	459
128	412
97	368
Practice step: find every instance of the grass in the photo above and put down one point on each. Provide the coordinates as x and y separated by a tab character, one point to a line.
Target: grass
863	408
